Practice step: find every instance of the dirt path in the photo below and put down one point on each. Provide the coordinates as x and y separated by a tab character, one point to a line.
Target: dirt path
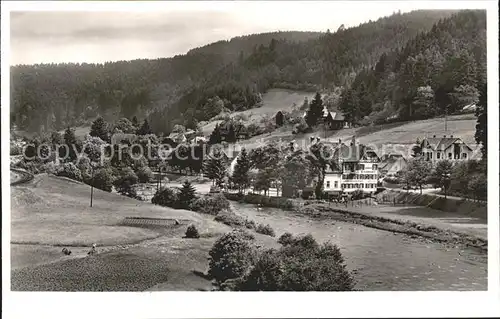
383	260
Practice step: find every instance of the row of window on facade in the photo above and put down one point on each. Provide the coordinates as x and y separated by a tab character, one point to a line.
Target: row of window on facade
359	176
450	156
358	167
350	186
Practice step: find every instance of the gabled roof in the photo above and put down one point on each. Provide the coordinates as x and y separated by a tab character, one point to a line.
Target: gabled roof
355	153
337	116
176	135
442	143
390	160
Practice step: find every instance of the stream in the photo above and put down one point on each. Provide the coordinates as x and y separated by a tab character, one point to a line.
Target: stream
383	260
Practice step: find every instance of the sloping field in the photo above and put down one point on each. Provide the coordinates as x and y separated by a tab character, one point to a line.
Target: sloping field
272	101
395	137
51	212
56	211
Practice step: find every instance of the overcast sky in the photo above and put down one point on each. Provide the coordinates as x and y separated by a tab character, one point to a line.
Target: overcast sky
55	36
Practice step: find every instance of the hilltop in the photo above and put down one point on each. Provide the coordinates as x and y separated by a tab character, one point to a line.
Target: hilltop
178	90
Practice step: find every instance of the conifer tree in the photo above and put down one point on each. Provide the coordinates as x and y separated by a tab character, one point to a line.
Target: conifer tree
215	137
145	129
135	122
71	142
100	129
214	168
186	195
482	121
240	176
315	111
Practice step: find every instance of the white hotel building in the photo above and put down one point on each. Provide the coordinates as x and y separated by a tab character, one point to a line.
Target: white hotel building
355	168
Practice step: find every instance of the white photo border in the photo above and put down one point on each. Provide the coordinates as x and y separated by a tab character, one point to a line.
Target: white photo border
262	304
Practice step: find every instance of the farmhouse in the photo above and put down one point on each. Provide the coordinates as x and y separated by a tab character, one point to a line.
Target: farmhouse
449	148
336	121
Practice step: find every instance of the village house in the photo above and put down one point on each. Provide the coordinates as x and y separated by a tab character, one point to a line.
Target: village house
178	138
334	120
449	148
391	164
352	167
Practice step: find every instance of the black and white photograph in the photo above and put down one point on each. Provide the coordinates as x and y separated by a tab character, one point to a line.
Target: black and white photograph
250	146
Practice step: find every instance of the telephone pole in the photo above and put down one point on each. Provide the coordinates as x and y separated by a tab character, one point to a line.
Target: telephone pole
446	118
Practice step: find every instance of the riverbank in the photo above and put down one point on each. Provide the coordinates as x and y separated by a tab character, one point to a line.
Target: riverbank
402	219
380	259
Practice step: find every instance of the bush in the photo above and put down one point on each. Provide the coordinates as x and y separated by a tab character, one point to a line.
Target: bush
167	197
250	224
277	202
392	180
231	256
103	179
69	170
301	265
125	181
358	194
192	232
30	166
286	239
144	174
229	218
306	194
210	204
265	230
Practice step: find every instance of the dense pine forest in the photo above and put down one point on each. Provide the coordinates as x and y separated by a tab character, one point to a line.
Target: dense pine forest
405	66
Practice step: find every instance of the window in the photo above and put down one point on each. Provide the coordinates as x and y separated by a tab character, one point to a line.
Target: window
450	155
361	186
430	155
375	166
361	166
327	184
464	155
342	186
336	184
438	155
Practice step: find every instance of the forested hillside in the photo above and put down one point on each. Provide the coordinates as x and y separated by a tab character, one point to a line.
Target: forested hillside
405	64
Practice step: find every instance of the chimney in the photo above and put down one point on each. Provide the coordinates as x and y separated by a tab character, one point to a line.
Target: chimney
340	141
311	139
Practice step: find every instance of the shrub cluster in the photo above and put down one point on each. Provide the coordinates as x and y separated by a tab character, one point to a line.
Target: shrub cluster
167	197
210	204
229	218
276	202
301	264
265	230
69	170
231	256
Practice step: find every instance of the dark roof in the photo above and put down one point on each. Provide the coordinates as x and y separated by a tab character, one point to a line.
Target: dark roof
338	117
355	153
442	143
